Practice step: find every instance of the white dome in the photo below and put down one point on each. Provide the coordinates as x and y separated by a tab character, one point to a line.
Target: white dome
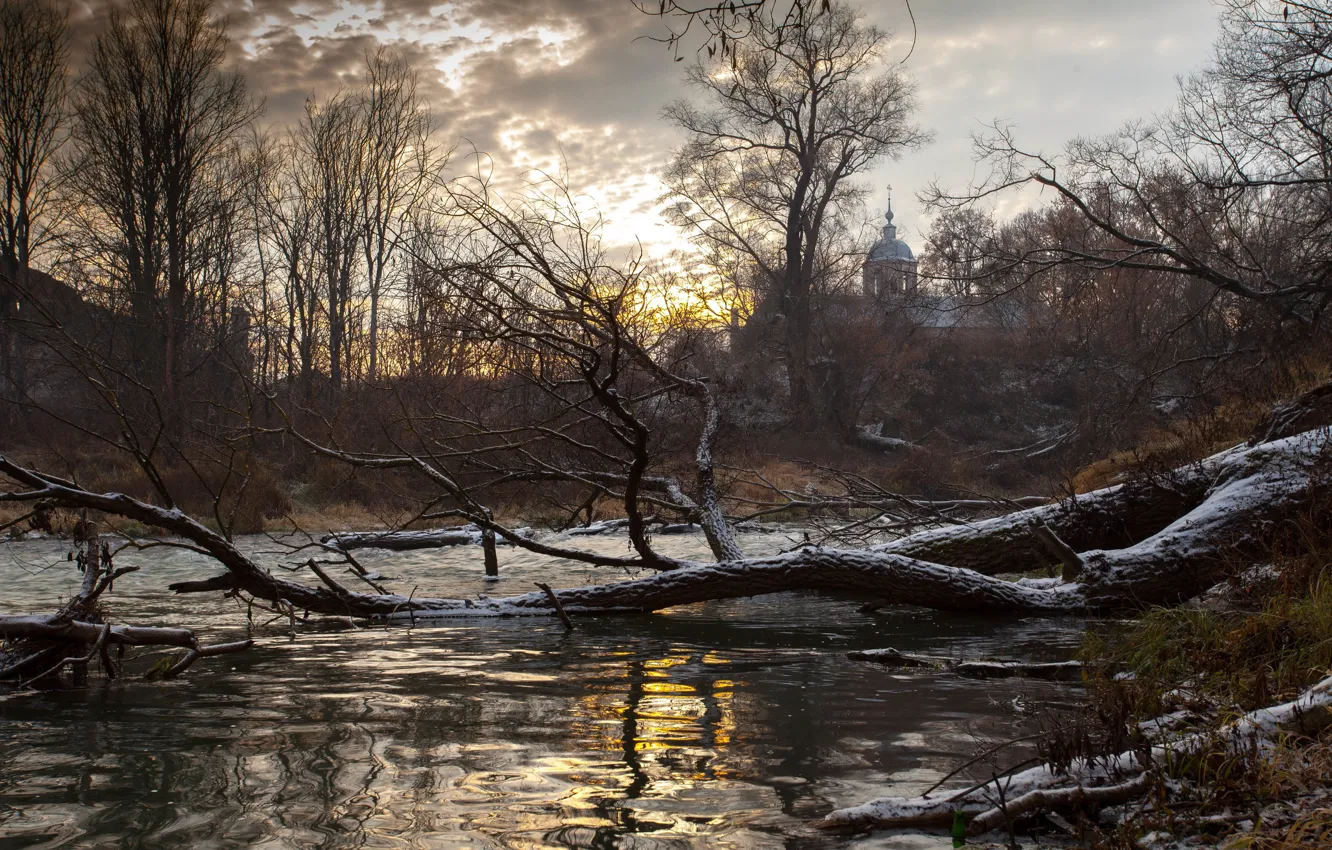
888	246
890	249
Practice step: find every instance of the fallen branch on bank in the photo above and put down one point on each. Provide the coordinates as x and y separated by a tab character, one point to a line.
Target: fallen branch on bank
1090	782
1059	671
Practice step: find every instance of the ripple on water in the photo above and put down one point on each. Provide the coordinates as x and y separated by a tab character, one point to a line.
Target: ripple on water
728	724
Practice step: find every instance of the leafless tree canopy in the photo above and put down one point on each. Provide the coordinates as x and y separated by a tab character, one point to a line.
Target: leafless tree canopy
34	76
765	181
1230	188
154	177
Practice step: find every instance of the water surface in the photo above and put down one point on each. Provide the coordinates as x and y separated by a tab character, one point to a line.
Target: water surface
728	724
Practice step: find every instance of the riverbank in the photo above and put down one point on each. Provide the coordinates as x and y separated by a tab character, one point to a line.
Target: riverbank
1260	639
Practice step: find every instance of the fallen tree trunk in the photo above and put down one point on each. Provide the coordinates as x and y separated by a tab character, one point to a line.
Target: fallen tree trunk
1104	519
1110	518
402	541
1247	488
1088	782
1251	488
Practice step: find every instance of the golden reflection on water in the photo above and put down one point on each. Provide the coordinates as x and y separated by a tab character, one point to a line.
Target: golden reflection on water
657	716
673	731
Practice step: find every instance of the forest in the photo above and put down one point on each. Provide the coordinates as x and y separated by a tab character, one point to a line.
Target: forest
785	537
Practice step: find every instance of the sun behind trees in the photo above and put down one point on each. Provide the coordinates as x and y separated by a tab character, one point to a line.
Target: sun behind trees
232	314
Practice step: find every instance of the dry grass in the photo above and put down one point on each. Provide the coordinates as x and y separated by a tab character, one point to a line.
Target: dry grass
1267	641
1169	446
1311	830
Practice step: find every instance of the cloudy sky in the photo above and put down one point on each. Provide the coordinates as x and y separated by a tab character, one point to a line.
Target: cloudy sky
534	83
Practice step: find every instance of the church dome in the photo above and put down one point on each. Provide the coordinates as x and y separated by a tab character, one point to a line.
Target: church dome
888	246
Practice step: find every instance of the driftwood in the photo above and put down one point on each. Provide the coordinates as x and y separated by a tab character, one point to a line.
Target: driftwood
1060	671
402	541
39	647
42	638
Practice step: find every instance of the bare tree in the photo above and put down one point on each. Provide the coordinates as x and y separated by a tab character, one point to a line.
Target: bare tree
396	164
286	222
327	152
156	134
34	55
1230	188
796	114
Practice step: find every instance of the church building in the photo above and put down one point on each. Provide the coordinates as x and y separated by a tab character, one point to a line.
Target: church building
890	267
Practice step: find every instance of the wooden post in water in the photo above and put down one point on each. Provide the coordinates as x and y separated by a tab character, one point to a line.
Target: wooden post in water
492	557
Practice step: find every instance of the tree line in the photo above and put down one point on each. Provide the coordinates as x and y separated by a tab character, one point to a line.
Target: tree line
340	255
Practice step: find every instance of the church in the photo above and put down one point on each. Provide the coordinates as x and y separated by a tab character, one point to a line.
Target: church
891	288
890	266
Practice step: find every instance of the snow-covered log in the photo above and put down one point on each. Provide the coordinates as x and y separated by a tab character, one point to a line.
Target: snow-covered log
1088	782
1108	518
871	437
605	526
1246	489
401	541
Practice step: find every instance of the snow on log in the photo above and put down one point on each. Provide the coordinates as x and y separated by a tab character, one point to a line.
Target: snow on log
605	526
401	541
1252	488
1109	518
871	437
1100	781
1239	492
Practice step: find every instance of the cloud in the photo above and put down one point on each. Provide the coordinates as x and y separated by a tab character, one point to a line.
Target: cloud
576	84
1057	70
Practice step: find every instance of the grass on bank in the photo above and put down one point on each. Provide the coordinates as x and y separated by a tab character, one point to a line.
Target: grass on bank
1262	641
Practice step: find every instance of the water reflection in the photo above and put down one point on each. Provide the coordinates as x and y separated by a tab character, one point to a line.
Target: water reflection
723	725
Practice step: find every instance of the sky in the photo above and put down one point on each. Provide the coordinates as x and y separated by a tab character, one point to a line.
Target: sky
576	87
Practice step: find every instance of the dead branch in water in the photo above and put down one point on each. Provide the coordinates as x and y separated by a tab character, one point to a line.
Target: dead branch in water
1063	671
78	634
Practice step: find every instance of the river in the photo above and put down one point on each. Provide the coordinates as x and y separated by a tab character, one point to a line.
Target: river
728	724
